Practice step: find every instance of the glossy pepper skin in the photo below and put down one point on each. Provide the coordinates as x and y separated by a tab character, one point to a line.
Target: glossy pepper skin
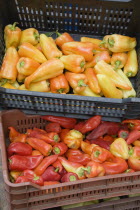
87	92
133	136
73	167
116	166
40	145
123	134
59	148
118	60
41	86
19	148
100	155
36	152
47	161
58	165
92	80
106	69
73	139
8	68
63	38
59	84
120	43
65	122
20	163
131	66
132	124
119	148
49	47
30	35
87	147
77	81
27	66
30	51
15	136
79	48
20	77
104	55
90	124
73	63
134	159
53	127
32	177
110	128
94	169
12	35
51	174
101	142
83	159
21	179
69	177
47	70
8	85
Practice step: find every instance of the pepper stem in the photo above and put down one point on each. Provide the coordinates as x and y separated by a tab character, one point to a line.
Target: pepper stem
55	138
13	27
57	169
49	33
58	34
61	90
111	42
72	178
88	169
36	35
22	63
81	83
82	64
36	178
97	153
102	42
131	151
3	81
117	64
129	74
57	150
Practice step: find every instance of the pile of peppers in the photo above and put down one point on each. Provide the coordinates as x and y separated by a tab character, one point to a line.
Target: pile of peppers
68	149
89	67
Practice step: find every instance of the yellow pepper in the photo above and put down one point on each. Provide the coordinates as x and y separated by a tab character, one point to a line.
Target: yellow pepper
131	66
30	35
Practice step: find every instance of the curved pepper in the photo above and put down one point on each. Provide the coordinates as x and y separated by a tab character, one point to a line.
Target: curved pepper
116	166
131	66
63	38
87	147
19	148
36	152
32	177
51	174
133	136
94	169
100	154
58	165
30	35
60	148
59	84
83	159
20	163
22	179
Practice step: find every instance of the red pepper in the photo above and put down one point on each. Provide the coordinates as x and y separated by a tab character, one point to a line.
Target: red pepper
36	152
91	124
50	138
94	169
100	154
21	163
132	123
60	148
15	136
110	128
77	156
123	134
79	125
134	159
40	145
51	174
53	127
108	138
73	167
39	130
116	166
100	141
65	122
58	165
47	161
69	177
63	134
133	136
21	179
33	177
19	148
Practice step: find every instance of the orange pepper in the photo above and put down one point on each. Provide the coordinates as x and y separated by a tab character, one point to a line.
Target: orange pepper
73	139
20	77
87	147
118	60
63	38
36	152
30	35
59	84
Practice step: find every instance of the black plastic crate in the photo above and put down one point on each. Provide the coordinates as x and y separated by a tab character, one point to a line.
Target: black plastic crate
93	18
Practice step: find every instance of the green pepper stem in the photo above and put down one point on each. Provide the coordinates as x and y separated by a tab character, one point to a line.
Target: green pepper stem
81	83
55	138
3	81
50	33
129	74
13	27
97	153
82	64
57	150
72	178
22	63
131	151
36	178
57	169
102	42
111	42
117	64
36	35
61	90
58	34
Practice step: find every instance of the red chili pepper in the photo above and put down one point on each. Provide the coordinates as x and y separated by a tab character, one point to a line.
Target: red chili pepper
58	165
100	154
47	161
94	169
19	148
132	123
39	130
116	166
33	177
123	134
51	174
100	141
65	122
21	163
83	159
108	138
53	127
90	124
71	152
40	145
69	177
110	128
22	179
133	136
79	125
60	148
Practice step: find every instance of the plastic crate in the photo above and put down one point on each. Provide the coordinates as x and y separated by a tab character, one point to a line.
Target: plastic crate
94	18
33	197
